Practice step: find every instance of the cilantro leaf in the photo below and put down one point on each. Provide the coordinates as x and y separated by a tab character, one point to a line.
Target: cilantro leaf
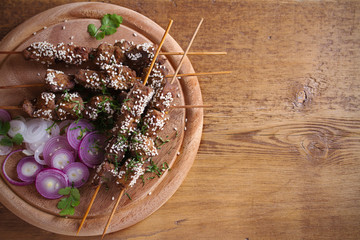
92	30
75	193
62	203
64	191
105	20
67	211
68	204
4	127
100	35
110	30
109	24
116	20
75	203
6	141
17	139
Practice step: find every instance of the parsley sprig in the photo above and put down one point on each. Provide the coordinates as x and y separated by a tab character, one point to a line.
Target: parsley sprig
68	204
109	24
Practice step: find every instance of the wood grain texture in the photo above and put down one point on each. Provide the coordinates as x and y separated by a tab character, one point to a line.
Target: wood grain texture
280	152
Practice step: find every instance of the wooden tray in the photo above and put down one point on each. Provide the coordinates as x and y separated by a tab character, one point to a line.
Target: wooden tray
68	23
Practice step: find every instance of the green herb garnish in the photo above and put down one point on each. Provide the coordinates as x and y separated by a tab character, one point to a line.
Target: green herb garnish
4	127
128	195
68	204
7	141
49	128
162	142
153	168
17	139
109	24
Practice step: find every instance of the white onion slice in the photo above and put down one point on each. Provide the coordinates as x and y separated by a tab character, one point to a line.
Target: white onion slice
55	130
28	152
36	130
16	126
4	150
21	118
38	153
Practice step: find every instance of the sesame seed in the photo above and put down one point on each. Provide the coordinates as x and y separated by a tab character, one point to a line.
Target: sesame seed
178	153
149	193
63	28
45	27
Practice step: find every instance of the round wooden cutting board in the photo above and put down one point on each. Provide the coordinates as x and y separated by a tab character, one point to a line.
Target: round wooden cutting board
68	23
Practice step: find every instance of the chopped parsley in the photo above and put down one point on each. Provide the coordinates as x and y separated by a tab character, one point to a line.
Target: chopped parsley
162	142
158	170
128	195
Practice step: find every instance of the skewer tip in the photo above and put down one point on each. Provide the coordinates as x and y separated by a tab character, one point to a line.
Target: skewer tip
88	209
112	213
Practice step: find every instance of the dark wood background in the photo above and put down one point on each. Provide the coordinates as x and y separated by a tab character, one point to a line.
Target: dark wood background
280	152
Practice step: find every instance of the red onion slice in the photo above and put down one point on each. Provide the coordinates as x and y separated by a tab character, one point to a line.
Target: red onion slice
17	183
4	150
92	149
77	131
61	158
49	181
54	144
27	169
4	116
77	173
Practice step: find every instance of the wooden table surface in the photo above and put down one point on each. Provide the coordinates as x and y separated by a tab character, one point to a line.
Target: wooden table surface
280	151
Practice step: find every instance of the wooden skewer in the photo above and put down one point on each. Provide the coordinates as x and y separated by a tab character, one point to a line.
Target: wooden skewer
193	53
145	80
198	74
167	76
10	52
161	53
112	213
10	107
157	51
192	106
88	209
23	86
186	51
183	106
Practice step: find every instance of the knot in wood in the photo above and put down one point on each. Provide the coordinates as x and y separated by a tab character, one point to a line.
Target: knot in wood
301	98
315	148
